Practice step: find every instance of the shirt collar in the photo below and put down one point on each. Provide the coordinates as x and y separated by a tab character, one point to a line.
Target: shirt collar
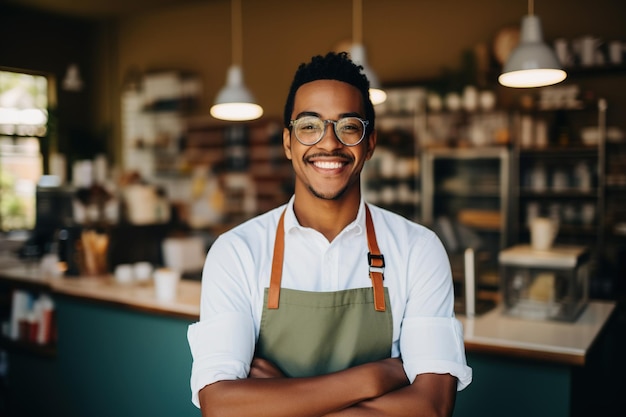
357	226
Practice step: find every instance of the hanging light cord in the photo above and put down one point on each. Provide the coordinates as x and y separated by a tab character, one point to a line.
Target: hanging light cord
531	7
357	21
236	32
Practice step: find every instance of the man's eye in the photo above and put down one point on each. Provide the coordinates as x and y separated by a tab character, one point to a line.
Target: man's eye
350	127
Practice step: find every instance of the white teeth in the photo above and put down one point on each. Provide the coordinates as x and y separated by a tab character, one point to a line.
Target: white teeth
328	164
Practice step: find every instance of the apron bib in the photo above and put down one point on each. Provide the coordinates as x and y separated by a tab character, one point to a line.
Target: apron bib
315	333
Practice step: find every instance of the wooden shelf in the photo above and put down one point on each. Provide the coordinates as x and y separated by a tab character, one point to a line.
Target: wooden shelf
566	193
560	151
595	71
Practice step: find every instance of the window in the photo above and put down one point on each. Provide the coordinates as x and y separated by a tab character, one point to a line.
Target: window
23	121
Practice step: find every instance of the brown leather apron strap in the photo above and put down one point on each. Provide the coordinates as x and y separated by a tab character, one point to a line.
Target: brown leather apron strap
376	263
277	265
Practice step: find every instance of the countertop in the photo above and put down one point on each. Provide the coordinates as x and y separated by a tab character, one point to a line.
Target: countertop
554	341
492	333
138	296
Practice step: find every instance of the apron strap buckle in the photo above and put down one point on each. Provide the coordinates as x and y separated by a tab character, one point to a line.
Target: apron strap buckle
376	260
377	266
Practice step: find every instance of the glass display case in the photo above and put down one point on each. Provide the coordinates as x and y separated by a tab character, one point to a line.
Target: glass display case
466	201
548	284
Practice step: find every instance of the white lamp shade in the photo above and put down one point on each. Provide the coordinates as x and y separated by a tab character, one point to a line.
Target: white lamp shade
532	63
234	102
377	95
357	54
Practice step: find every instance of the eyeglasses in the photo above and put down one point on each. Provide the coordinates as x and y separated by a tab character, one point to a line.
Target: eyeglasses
310	129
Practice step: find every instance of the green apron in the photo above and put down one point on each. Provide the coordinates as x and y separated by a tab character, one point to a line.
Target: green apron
315	333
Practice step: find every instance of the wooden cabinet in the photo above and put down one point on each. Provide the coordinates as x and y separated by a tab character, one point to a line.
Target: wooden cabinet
215	173
574	176
247	158
561	183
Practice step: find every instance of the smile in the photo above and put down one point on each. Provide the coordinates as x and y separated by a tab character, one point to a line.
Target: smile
328	164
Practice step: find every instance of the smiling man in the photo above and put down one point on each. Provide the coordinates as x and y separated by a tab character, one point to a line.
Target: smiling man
327	306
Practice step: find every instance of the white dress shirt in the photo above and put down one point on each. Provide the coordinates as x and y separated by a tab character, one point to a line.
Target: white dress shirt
237	270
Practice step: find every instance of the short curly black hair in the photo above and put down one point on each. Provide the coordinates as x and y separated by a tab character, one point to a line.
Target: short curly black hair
332	66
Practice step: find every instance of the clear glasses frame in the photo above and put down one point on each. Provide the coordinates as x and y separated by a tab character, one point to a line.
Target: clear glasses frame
338	134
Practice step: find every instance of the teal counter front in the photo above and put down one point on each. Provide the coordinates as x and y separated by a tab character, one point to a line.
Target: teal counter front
109	362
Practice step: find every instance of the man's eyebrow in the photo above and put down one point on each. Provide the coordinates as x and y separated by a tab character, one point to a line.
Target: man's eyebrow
342	115
307	113
351	114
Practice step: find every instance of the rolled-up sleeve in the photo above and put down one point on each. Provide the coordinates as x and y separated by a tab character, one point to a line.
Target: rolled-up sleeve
434	345
219	351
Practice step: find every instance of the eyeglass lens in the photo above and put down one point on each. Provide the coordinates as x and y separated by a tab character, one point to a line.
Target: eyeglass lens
310	129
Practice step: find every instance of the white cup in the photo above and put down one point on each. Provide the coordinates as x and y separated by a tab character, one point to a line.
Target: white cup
560	181
470	98
50	265
387	164
526	131
532	211
569	213
142	271
588	213
582	173
124	273
453	101
543	231
588	47
539	178
541	132
487	100
434	102
561	48
166	284
616	52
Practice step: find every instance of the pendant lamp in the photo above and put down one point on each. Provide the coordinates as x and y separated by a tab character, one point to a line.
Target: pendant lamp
357	53
532	63
234	102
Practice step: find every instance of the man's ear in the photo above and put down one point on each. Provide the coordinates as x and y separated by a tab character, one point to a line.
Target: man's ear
371	145
287	143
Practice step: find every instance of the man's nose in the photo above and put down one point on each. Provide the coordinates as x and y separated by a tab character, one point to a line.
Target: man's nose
329	138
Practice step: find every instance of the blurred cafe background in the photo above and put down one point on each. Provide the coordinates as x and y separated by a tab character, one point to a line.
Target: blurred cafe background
117	166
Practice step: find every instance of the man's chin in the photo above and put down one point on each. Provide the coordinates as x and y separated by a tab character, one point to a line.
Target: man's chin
328	195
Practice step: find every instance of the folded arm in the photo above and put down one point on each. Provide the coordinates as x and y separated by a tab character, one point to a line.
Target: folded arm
268	393
431	395
374	389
